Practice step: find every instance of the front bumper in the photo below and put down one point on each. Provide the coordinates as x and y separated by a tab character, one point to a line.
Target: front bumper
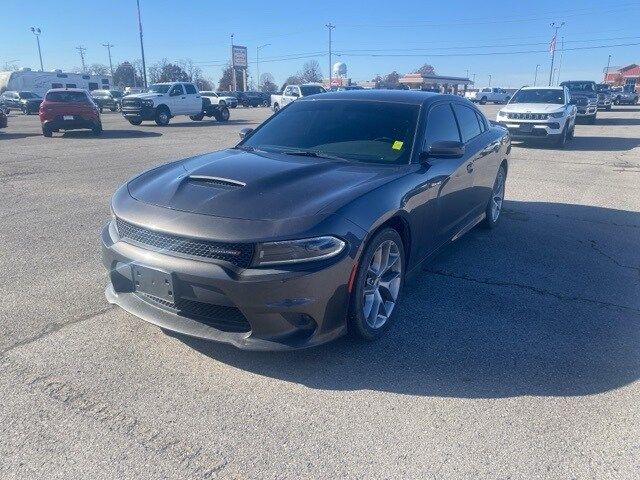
138	113
262	309
527	129
588	111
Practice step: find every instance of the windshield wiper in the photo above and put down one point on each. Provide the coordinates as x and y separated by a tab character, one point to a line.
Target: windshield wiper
311	153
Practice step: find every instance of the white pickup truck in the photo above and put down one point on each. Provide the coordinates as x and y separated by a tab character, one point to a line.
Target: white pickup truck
163	101
489	94
293	92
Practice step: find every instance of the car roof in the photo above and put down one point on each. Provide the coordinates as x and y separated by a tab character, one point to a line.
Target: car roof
414	97
542	88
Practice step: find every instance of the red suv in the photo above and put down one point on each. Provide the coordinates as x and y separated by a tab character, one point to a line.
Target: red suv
69	109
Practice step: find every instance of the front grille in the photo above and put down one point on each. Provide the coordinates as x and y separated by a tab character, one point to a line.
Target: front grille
527	116
227	319
131	102
239	254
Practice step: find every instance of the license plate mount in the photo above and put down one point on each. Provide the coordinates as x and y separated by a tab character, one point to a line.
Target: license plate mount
156	283
67	117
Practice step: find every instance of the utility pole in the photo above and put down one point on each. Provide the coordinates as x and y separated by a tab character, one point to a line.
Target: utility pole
108	45
560	62
258	61
36	31
144	65
606	72
535	77
330	27
556	27
489	81
233	68
82	50
474	80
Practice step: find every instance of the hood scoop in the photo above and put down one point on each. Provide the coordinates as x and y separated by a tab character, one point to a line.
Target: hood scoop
215	181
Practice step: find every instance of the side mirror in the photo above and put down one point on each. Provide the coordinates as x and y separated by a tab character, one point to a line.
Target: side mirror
445	149
245	132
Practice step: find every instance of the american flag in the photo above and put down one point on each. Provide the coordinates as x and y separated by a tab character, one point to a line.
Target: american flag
552	45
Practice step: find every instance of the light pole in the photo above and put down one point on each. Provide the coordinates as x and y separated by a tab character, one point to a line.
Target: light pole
330	27
36	31
535	77
606	72
489	80
233	68
108	45
258	60
144	65
556	27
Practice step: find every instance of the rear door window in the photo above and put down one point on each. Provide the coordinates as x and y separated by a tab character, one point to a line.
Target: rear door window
191	90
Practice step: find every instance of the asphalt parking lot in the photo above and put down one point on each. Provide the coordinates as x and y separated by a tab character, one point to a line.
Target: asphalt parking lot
516	353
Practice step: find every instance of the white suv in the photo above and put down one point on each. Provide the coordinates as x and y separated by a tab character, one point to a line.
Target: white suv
540	113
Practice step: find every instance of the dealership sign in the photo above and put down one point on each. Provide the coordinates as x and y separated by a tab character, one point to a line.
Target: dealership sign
239	56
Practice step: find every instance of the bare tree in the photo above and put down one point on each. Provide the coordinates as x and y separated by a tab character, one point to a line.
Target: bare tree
426	69
311	72
267	83
99	69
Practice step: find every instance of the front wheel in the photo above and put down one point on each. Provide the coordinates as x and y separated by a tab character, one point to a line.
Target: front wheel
162	117
222	115
483	100
494	206
276	107
378	285
197	118
97	129
24	110
135	122
47	132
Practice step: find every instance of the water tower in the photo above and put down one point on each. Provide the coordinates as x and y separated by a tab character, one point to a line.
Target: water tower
339	73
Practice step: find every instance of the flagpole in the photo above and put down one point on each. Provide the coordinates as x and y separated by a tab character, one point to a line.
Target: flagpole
552	47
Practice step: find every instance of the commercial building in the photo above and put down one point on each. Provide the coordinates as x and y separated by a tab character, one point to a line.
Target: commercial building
629	75
435	83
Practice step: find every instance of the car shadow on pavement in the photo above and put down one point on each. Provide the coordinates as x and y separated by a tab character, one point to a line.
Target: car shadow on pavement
204	123
604	144
16	136
110	134
546	304
617	121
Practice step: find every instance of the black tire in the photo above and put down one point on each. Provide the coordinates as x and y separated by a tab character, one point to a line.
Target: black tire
592	119
483	100
616	101
491	221
100	108
357	322
265	103
222	115
163	116
222	103
561	140
197	118
46	131
24	110
572	133
608	107
276	107
113	109
97	129
134	122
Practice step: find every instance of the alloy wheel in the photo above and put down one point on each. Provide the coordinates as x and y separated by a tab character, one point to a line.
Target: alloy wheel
382	284
497	196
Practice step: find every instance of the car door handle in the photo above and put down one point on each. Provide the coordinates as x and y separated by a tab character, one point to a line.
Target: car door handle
470	167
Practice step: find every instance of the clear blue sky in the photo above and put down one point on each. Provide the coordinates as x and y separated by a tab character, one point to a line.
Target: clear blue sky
372	35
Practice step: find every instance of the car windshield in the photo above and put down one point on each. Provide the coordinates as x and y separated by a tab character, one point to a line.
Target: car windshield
311	90
67	97
365	131
159	88
540	95
27	95
101	94
580	86
116	94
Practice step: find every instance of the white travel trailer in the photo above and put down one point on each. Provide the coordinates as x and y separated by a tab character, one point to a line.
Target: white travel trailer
40	82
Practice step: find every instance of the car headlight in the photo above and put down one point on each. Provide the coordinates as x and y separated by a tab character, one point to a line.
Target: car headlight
147	103
502	114
296	251
557	114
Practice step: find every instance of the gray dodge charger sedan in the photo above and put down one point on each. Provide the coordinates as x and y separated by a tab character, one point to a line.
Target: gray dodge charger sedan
308	228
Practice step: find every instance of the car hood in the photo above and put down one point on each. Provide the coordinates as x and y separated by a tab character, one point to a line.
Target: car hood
144	95
533	108
258	186
583	94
